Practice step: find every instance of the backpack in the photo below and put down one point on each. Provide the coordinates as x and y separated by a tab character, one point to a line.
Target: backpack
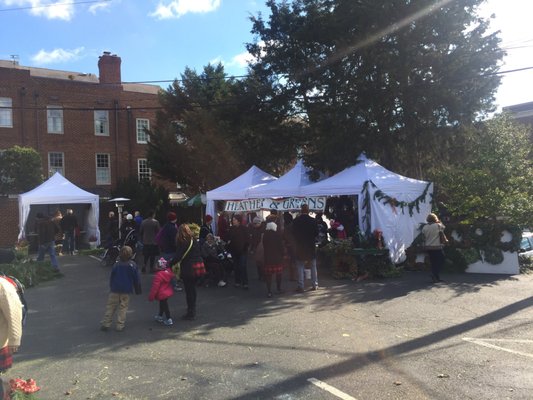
19	287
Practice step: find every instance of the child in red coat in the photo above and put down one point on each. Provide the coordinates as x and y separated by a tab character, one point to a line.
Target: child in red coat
162	289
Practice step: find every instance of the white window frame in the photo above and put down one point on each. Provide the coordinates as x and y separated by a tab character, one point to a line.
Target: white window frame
103	174
54	118
101	122
142	124
52	169
6	112
144	173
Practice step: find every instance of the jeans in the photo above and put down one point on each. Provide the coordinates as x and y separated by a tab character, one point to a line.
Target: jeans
300	265
241	269
50	248
69	244
436	259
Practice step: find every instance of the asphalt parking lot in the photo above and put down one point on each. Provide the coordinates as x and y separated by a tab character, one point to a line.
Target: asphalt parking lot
402	338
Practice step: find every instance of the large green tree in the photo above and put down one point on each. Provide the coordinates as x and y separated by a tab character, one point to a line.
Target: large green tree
212	128
494	178
20	170
394	78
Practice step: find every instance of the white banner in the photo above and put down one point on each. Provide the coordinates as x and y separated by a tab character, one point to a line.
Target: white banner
287	204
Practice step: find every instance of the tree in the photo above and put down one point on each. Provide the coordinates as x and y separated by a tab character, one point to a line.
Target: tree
397	79
144	195
20	170
494	180
212	128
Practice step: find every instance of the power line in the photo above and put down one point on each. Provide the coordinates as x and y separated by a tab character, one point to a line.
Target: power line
74	3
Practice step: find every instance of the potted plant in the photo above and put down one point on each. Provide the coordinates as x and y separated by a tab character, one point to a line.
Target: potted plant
92	242
22	249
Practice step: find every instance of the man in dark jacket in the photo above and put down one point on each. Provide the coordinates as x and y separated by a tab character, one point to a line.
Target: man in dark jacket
238	247
305	231
68	224
46	231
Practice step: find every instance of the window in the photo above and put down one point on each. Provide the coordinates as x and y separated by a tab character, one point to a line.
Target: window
144	173
142	126
103	169
55	119
101	123
56	163
6	112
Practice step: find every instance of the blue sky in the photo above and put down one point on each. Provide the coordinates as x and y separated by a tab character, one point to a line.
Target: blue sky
157	39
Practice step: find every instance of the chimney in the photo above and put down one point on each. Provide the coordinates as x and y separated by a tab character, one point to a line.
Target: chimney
109	68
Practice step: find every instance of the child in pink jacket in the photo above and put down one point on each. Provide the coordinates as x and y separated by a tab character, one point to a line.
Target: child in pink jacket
162	289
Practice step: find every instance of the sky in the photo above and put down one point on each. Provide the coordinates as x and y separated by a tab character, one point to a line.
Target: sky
158	39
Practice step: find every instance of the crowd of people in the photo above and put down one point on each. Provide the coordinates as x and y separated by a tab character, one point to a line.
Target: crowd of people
176	257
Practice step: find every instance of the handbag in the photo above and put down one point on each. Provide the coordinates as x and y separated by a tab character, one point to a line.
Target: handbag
443	239
199	269
176	268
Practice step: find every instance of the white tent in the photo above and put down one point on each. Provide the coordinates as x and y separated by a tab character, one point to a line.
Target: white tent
288	185
237	188
397	204
59	190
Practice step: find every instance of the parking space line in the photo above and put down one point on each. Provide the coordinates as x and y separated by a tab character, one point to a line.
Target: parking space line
486	343
331	389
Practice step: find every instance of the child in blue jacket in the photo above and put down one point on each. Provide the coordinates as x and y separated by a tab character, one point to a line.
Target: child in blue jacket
125	279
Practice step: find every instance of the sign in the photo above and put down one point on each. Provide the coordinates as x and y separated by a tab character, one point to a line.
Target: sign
287	204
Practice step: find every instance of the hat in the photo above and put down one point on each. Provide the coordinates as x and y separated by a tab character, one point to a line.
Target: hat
171	216
257	220
129	217
208	218
271	226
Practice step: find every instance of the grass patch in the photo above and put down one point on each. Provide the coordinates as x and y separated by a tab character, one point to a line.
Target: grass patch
31	273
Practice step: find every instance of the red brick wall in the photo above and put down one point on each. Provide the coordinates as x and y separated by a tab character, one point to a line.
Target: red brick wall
32	95
9	228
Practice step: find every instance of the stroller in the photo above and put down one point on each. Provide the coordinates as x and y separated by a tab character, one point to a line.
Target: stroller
110	256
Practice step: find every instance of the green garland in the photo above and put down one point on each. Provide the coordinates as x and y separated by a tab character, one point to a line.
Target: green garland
393	202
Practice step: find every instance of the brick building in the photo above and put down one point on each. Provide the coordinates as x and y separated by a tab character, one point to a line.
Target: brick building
90	129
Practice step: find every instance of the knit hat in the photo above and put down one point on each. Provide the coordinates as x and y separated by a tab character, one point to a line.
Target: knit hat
129	217
171	216
271	226
257	220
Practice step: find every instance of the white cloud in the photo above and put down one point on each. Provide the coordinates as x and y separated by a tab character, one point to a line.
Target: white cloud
241	60
178	8
94	8
57	9
56	56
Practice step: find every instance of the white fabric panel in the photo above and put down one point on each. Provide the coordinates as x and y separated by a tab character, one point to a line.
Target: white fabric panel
399	228
59	190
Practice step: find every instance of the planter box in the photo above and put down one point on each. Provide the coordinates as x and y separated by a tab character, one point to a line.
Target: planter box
92	245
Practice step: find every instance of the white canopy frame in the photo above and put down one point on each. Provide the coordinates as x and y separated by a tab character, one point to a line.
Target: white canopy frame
59	190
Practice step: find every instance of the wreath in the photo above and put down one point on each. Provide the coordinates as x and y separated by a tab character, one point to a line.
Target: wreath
516	237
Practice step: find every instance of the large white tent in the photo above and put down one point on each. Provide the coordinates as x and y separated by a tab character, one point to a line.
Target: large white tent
404	204
59	190
288	185
237	188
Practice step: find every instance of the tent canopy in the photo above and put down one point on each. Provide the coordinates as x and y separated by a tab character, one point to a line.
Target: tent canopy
399	225
352	179
237	188
366	179
59	190
288	185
